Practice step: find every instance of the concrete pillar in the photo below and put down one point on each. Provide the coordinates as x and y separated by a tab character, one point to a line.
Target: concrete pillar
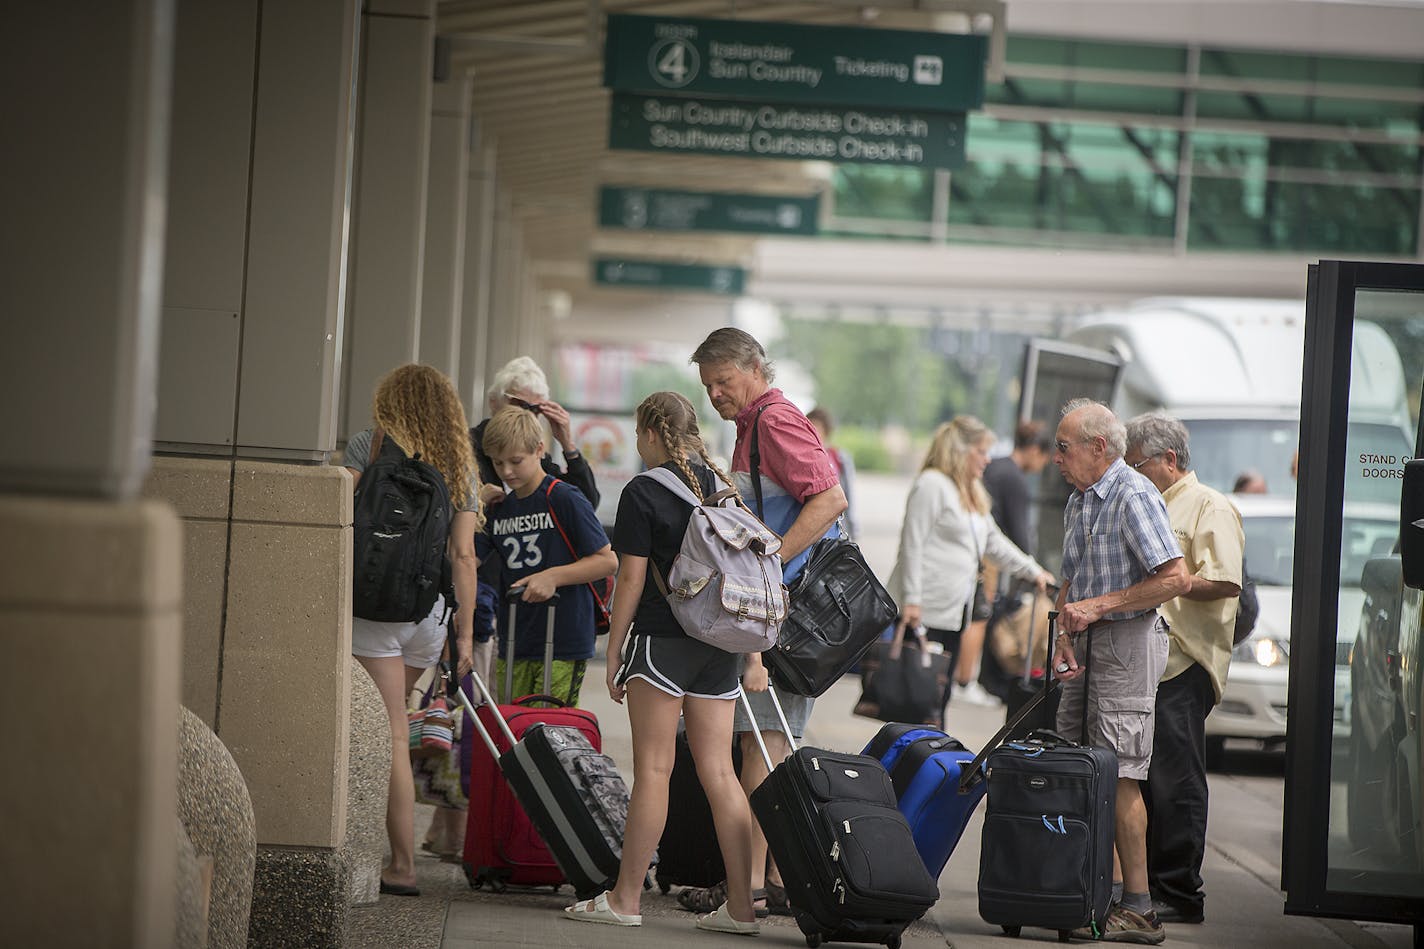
444	264
89	577
254	317
479	258
503	319
388	208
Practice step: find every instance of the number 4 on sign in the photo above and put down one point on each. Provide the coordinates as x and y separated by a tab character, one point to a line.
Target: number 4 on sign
674	63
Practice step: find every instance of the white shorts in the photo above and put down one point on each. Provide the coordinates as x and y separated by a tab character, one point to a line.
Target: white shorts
419	644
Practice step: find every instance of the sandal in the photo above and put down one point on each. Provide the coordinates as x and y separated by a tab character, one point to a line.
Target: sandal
597	910
703	899
722	922
776	902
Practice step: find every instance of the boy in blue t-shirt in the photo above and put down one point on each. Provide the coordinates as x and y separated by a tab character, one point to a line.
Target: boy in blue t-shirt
548	538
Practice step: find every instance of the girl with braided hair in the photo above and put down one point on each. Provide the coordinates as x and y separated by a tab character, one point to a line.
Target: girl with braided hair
417	411
665	673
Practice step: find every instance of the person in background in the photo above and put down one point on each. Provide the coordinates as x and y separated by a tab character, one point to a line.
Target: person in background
800	498
1120	562
1007	481
1249	481
845	464
1200	624
663	673
418	411
946	536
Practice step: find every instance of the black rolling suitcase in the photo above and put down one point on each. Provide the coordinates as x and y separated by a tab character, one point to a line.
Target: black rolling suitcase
1046	854
688	852
572	793
842	846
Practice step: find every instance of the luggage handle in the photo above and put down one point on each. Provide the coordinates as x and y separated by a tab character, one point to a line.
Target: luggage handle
453	688
553	700
974	772
756	732
513	597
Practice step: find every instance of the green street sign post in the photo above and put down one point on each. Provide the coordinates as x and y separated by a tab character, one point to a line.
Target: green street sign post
795	63
723	279
652	209
766	130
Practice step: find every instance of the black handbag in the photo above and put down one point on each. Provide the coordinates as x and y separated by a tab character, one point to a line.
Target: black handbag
904	681
838	609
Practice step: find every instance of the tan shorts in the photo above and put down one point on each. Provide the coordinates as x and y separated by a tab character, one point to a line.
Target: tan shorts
1126	663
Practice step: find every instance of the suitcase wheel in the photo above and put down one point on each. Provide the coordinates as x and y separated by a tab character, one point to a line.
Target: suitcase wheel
1064	935
1012	930
497	885
471	878
813	941
664	887
893	942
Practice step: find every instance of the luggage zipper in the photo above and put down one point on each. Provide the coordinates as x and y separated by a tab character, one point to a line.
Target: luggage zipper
840	888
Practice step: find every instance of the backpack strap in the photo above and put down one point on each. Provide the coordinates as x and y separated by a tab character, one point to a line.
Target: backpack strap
678	487
378	434
755	458
548	499
673	483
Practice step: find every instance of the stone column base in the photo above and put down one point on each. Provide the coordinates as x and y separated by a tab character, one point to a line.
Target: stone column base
299	898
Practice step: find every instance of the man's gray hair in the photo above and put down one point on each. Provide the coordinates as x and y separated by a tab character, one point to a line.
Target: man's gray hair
1099	422
521	372
737	347
1155	433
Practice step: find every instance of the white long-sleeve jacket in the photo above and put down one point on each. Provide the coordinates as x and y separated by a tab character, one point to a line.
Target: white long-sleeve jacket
940	542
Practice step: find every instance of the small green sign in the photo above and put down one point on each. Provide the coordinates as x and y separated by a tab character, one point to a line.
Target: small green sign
652	209
795	62
802	133
663	275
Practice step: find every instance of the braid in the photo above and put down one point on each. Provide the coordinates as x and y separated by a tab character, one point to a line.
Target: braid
707	460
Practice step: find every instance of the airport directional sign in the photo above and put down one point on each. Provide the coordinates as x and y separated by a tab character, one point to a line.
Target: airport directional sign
798	63
733	128
727	279
657	209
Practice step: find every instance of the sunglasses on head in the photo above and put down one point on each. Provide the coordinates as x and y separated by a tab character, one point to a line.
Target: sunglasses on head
534	407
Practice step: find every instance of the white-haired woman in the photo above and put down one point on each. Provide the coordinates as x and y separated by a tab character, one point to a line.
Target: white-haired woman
948	534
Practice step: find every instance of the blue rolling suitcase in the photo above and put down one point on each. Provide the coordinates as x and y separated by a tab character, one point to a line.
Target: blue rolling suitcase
925	766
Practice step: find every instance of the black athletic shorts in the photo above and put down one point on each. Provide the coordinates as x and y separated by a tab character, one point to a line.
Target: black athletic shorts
680	665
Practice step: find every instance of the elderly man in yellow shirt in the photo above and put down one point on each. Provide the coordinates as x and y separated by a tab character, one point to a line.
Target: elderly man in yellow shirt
1208	528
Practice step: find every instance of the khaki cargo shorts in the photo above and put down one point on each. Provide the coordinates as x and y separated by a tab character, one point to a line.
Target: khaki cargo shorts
1127	661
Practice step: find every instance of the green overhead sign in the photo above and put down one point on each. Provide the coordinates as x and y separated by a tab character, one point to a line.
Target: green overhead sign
652	209
795	62
673	124
662	275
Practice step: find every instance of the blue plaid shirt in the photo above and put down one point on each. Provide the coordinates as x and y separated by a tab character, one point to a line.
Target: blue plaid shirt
1115	534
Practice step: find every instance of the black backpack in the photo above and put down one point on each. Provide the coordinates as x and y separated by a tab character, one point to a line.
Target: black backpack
1248	607
398	536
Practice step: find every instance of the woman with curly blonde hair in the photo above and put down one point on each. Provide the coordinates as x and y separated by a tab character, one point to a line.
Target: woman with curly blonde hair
946	537
417	412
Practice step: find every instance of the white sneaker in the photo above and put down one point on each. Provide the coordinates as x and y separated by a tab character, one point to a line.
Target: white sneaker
973	694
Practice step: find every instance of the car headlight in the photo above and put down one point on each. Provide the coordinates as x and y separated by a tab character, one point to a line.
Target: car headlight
1263	651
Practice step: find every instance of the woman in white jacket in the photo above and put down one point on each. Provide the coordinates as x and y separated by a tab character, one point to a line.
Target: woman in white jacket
948	534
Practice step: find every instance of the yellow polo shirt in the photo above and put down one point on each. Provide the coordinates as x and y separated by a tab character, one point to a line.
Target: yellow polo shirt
1208	528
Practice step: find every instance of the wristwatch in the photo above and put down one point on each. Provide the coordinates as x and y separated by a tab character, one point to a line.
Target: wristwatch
571	453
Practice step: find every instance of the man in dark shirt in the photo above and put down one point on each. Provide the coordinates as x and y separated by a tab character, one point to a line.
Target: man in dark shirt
1007	480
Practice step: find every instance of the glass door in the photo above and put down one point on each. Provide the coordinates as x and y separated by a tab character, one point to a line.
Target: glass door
1354	785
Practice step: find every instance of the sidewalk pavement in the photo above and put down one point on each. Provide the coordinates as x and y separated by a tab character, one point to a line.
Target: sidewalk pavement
1245	906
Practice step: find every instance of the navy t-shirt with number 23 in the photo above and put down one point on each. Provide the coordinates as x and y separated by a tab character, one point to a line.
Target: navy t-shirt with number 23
521	532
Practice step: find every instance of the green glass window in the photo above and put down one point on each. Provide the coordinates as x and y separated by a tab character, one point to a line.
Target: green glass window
883	191
1128	57
1253	213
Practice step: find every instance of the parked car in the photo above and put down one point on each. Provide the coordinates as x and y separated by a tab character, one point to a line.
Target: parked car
1253	702
1382	804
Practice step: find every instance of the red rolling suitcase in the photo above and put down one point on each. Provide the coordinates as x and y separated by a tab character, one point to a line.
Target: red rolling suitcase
502	847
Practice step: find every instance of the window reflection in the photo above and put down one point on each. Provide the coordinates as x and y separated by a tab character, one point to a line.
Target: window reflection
1374	839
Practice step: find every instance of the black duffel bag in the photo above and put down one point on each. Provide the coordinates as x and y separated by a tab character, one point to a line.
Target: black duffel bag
838	610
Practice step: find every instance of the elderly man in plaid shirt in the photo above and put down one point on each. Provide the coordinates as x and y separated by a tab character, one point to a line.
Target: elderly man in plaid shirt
1120	562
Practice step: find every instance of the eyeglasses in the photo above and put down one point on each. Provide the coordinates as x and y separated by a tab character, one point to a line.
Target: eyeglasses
1064	446
530	406
1137	466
